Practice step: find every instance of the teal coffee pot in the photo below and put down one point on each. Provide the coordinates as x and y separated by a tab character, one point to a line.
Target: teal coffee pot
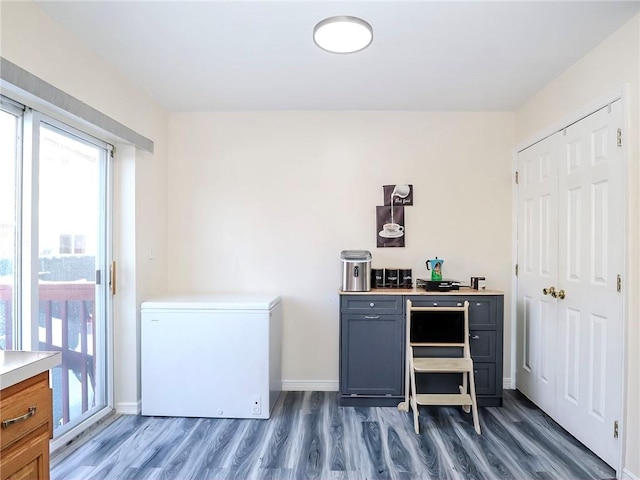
435	265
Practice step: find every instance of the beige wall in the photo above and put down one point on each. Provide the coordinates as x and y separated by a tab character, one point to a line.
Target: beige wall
31	40
265	202
610	66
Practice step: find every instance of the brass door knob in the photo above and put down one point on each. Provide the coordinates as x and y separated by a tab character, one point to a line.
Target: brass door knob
561	294
550	291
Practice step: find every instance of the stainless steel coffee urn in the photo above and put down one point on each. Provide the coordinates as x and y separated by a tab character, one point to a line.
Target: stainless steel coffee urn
356	270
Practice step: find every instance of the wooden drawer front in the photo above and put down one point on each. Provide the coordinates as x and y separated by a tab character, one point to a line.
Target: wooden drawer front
16	405
374	304
485	376
483	345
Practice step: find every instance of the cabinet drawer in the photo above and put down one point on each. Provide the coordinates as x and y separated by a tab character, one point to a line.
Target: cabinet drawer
374	304
484	375
482	309
483	345
433	301
17	405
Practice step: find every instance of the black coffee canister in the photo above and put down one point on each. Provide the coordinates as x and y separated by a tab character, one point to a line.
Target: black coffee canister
405	278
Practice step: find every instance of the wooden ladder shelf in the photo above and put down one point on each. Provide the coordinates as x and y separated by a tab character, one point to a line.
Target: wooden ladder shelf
434	365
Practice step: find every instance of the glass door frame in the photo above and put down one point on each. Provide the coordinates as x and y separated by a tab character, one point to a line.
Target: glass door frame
33	121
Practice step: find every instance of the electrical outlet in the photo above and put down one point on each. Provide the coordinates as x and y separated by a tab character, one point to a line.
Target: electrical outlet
255	405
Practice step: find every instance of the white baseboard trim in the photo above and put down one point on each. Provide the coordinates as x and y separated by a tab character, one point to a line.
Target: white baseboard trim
310	385
627	475
508	383
129	408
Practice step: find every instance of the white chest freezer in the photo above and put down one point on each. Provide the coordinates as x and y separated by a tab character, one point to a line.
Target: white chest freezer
211	355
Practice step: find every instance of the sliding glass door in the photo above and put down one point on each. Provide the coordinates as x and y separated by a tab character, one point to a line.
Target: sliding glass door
59	259
71	266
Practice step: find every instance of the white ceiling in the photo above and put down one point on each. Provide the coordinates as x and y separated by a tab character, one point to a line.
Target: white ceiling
259	55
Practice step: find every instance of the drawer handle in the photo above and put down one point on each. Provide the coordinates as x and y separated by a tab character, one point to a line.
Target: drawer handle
11	421
371	317
435	304
474	337
372	304
478	304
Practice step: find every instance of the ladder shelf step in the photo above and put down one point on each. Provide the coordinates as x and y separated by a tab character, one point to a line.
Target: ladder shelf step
445	365
443	399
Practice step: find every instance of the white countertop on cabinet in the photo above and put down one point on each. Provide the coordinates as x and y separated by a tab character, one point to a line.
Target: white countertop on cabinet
19	365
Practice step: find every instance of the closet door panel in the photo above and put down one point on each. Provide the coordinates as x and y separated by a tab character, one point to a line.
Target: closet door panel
537	260
591	246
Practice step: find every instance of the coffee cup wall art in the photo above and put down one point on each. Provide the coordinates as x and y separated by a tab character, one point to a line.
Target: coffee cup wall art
390	228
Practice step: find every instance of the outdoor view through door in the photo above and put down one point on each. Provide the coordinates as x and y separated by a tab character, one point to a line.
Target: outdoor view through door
60	297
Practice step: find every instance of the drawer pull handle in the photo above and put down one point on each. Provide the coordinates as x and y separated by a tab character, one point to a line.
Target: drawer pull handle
11	421
478	304
371	317
372	304
474	337
435	304
458	304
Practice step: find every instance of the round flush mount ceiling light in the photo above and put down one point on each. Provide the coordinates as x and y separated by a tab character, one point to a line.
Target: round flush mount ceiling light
343	34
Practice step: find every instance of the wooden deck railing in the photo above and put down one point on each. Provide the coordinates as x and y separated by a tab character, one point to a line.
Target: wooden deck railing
71	304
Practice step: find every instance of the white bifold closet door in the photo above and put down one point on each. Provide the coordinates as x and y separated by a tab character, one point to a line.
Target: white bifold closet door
570	255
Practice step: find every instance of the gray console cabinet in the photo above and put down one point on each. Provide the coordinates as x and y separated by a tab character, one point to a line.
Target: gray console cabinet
372	346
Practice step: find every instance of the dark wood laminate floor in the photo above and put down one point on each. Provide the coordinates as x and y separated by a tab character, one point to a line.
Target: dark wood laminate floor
310	436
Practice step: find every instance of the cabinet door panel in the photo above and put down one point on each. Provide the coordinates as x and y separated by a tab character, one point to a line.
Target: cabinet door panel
27	459
372	357
484	375
483	345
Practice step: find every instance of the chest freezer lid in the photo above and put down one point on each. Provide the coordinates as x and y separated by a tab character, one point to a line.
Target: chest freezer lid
218	301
